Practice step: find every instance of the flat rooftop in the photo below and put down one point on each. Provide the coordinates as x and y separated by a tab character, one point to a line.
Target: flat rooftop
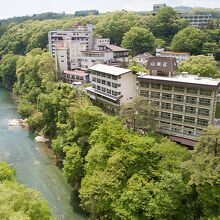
184	80
112	70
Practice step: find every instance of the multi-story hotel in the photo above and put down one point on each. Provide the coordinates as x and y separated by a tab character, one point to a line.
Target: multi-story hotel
196	20
78	33
186	103
112	86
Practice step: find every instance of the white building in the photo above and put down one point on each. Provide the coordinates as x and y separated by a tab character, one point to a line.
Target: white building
142	58
112	86
180	57
83	34
196	20
90	58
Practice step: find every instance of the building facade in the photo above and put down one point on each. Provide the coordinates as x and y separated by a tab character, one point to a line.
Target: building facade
142	58
75	76
112	86
196	20
78	33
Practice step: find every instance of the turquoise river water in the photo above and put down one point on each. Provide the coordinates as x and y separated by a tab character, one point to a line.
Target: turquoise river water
34	164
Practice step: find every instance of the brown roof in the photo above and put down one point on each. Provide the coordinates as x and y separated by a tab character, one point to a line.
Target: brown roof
183	141
116	48
171	52
76	73
167	64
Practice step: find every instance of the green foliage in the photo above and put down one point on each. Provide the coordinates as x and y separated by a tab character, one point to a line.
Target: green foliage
205	65
166	24
138	40
26	109
18	202
190	40
139	115
86	12
8	70
217	113
6	172
73	164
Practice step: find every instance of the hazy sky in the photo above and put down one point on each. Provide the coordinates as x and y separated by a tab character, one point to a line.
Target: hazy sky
10	8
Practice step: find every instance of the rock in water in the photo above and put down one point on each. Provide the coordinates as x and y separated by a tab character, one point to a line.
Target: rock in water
41	139
13	122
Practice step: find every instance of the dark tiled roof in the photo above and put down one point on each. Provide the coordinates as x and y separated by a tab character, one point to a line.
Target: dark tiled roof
167	64
115	48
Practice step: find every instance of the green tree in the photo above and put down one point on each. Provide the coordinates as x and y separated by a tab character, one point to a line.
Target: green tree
204	167
166	24
139	115
190	40
138	40
8	70
205	65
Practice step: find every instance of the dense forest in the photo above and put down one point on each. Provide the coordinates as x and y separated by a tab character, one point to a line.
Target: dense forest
118	172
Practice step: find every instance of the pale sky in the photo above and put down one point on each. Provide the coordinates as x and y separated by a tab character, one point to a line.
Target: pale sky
11	8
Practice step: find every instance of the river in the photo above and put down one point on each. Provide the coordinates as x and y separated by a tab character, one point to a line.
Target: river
34	164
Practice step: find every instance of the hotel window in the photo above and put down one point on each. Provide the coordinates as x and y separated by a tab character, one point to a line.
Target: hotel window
165	115
155	86
165	128
205	102
152	64
158	63
109	91
108	83
98	80
177	130
179	98
178	108
114	85
165	122
179	89
176	125
203	111
155	95
192	90
144	93
191	100
190	109
167	87
103	89
167	96
190	120
98	87
114	93
165	105
144	84
108	76
205	92
177	117
188	132
157	114
164	64
103	82
202	122
155	103
114	77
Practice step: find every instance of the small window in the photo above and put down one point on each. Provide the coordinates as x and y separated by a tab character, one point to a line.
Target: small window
158	63
152	64
164	64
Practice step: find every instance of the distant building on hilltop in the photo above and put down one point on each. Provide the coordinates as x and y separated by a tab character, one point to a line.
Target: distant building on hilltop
156	7
196	20
142	58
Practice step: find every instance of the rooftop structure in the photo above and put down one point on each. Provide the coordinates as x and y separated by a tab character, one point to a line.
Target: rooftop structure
75	76
164	66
